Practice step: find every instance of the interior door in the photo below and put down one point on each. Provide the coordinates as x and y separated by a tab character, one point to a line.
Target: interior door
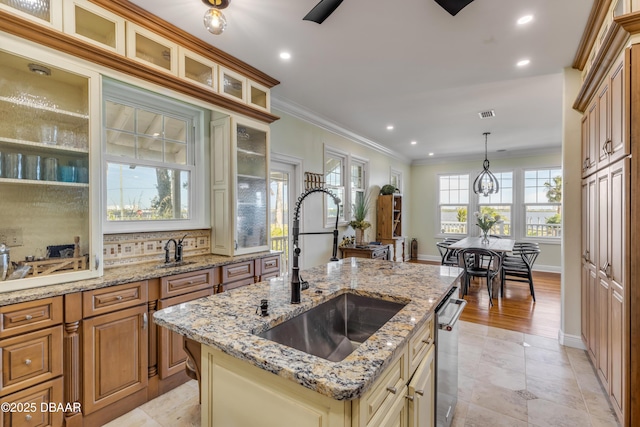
282	187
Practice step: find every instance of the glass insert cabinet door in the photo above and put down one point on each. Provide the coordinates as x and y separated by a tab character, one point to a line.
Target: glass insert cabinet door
45	220
251	188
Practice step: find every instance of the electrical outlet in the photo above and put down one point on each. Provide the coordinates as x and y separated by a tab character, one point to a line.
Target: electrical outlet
11	236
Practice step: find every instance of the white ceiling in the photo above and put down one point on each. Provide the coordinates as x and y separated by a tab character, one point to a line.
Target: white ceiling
411	64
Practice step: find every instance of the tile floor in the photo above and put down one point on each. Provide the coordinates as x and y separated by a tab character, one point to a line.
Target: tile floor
506	379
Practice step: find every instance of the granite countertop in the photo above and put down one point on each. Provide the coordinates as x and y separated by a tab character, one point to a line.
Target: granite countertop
119	275
228	321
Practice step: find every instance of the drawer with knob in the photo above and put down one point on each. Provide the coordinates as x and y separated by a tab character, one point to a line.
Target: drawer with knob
420	343
107	300
269	267
29	316
30	358
32	401
179	284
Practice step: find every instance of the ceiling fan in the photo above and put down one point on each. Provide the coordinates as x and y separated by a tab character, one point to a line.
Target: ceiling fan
322	10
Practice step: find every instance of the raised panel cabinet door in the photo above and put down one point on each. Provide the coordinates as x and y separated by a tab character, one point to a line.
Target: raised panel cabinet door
618	226
602	231
602	354
593	315
422	393
584	304
619	99
618	350
603	133
584	140
592	140
39	395
115	356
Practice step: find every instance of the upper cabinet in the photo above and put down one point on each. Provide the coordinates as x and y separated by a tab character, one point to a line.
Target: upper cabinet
46	179
240	196
45	12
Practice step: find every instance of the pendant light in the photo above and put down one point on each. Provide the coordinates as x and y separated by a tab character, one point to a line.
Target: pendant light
486	183
214	20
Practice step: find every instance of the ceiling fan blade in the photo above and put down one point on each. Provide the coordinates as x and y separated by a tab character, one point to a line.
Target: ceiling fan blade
453	6
322	10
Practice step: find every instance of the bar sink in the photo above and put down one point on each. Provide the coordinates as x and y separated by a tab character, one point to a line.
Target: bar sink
335	328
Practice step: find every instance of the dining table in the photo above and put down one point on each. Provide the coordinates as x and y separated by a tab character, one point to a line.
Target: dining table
495	244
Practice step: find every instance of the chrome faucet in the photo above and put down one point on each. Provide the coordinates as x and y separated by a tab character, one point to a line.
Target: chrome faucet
297	284
178	250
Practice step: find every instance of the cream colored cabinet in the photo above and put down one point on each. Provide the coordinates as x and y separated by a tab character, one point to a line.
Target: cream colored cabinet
49	108
197	69
240	196
94	25
403	395
232	85
151	49
43	12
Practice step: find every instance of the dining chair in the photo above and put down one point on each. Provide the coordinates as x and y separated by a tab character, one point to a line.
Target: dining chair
478	262
518	267
448	256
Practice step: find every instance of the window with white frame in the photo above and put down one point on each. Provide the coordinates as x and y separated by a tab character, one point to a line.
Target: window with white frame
500	204
150	160
543	203
396	179
453	203
358	181
335	178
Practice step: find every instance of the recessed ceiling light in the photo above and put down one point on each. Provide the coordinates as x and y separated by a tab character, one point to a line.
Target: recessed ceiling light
414	142
431	154
523	62
389	127
285	55
525	19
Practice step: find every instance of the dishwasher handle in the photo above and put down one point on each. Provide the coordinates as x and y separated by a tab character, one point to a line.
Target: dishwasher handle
449	326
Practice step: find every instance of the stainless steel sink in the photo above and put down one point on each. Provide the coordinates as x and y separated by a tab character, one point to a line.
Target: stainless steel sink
335	328
174	264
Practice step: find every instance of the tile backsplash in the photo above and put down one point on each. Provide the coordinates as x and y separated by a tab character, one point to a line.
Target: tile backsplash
136	248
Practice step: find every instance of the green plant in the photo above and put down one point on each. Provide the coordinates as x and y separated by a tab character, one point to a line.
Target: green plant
486	221
360	211
388	189
461	214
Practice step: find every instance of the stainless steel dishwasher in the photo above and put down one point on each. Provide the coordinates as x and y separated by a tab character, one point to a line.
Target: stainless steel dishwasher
447	314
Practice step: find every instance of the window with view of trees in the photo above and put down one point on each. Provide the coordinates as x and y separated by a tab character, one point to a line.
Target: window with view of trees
148	145
543	199
453	203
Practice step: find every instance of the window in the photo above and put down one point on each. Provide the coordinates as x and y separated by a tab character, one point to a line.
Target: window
358	182
500	204
543	198
453	203
334	175
150	160
395	179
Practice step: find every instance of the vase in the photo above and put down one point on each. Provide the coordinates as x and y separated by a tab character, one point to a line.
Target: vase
485	237
359	237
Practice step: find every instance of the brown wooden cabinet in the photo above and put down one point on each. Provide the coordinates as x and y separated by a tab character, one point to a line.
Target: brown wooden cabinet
371	251
114	350
389	224
268	267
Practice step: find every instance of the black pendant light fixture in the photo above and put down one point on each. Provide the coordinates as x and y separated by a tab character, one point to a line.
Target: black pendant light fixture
486	183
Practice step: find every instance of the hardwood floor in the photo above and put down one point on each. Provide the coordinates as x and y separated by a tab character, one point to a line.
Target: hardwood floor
516	310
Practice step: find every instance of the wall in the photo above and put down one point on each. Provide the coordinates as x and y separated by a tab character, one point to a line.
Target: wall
424	224
299	138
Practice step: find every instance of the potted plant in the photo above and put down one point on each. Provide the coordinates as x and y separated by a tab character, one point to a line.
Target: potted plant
360	211
485	222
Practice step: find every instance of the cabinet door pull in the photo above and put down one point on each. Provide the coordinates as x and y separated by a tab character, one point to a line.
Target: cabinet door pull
392	390
27	362
97	262
409	397
28	417
28	317
428	341
420	392
119	297
145	321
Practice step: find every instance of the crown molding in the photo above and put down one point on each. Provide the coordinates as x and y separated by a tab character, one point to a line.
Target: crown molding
594	22
528	152
309	116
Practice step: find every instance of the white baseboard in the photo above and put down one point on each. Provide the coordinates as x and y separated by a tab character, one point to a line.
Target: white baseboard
570	340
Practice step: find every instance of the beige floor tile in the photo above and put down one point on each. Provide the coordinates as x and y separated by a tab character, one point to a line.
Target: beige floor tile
465	387
545	413
561	391
135	418
599	422
505	335
498	399
478	416
500	377
501	346
473	328
543	342
503	360
598	405
558	358
186	416
168	403
472	339
546	370
460	414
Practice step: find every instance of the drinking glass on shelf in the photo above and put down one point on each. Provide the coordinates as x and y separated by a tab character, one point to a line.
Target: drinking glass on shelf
13	165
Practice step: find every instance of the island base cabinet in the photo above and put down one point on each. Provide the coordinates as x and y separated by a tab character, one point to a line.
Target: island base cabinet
235	393
398	397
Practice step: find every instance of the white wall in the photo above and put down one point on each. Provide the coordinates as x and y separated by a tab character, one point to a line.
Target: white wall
298	138
424	180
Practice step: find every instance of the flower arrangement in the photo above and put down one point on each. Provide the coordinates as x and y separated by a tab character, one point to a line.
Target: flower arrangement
486	221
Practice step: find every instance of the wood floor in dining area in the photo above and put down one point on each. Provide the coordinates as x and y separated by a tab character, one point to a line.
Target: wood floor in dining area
516	310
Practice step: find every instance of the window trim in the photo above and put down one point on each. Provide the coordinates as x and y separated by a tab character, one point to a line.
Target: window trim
122	92
439	233
523	208
358	161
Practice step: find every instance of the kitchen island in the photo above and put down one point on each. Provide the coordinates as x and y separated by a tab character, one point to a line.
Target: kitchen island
265	377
